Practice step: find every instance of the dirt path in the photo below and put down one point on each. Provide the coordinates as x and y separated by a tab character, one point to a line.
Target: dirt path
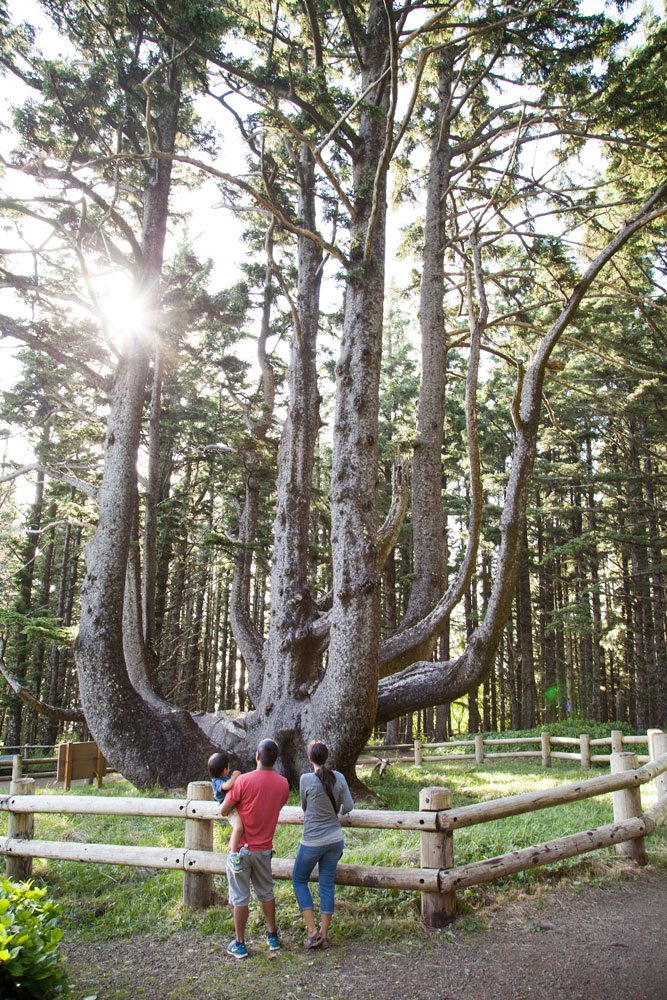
606	942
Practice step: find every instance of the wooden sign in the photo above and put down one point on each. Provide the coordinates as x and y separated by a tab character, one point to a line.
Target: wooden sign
77	761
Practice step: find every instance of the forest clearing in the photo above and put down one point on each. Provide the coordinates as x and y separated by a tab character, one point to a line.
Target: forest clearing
556	943
111	911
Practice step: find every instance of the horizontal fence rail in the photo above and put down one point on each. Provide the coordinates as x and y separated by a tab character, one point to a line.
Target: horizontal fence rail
209	862
515	805
383	755
437	878
374	819
541	854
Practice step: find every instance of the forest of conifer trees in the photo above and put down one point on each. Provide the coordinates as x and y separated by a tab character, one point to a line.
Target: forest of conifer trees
403	471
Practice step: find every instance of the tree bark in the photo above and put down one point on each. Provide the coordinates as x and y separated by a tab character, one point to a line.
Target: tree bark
146	745
428	519
344	703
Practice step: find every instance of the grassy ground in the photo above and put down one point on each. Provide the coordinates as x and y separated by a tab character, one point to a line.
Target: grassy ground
106	902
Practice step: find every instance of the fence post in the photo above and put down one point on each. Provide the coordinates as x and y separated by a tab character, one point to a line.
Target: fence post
479	748
17	767
22	826
546	749
628	803
69	764
617	741
100	767
660	747
418	753
437	851
650	735
198	886
585	751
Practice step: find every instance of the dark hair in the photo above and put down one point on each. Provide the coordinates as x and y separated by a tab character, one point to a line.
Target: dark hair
268	751
318	753
217	764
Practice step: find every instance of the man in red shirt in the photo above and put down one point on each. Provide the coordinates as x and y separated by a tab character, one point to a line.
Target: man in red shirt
258	798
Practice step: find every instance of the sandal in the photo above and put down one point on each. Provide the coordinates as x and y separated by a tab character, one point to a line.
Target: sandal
324	943
314	941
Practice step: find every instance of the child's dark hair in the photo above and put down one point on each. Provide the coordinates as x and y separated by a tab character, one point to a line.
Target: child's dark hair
217	764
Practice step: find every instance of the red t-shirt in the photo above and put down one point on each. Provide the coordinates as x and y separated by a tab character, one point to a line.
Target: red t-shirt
259	796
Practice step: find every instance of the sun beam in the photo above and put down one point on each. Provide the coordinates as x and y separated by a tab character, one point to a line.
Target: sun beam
124	309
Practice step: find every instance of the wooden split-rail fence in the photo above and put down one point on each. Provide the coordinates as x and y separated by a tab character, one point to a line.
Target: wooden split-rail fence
421	752
31	764
437	878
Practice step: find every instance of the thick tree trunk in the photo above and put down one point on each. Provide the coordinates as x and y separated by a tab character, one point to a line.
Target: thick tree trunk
344	703
291	658
148	608
144	743
428	519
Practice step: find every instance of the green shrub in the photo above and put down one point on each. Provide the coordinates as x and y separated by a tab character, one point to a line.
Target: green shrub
30	965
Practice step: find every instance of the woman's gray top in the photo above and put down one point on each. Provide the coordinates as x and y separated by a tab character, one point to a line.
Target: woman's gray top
321	825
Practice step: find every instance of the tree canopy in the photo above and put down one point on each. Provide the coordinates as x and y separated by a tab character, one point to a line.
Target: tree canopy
412	447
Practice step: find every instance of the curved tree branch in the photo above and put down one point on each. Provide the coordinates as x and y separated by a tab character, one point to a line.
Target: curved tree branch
53	473
427	683
35	704
400	498
240	70
31	335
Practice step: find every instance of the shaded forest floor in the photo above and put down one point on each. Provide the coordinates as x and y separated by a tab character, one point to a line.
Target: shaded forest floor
604	941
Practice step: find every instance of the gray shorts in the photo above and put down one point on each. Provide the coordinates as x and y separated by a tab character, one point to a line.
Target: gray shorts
255	868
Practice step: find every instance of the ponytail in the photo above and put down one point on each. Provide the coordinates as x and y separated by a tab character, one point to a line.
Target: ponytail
318	753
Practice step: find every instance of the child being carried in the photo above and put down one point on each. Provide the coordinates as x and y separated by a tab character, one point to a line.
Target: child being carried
221	782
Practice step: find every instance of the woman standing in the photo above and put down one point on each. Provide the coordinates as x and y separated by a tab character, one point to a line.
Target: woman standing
324	793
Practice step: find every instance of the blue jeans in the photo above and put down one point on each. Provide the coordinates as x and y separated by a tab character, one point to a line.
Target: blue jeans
327	857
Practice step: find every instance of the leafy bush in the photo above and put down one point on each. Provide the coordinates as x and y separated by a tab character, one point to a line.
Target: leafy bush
30	965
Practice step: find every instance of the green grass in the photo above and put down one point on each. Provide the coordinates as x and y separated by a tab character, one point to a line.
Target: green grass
108	901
